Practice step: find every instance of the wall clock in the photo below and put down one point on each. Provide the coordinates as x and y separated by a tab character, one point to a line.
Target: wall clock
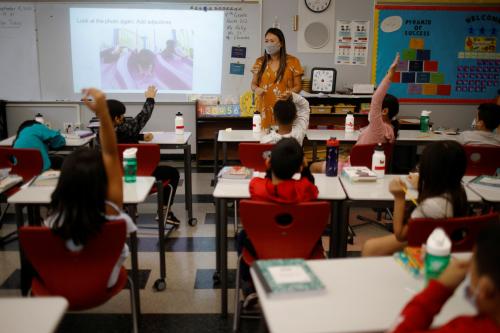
317	6
323	80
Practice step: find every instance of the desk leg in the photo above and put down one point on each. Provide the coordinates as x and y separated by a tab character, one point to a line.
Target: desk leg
224	153
26	268
334	229
223	255
315	151
218	223
216	158
343	227
160	283
188	185
135	264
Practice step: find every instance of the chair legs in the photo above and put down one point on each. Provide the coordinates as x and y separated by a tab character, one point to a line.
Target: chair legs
237	305
169	202
135	325
10	237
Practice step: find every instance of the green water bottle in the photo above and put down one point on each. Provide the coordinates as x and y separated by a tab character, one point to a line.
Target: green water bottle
424	121
437	254
130	165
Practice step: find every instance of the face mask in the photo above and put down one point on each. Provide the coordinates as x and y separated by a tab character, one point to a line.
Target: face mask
469	294
271	48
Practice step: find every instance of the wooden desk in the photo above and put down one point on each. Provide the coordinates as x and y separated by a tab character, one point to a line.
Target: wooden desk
362	295
329	188
34	196
28	315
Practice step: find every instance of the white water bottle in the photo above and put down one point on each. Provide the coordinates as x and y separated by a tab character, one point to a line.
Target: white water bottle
349	122
256	122
179	124
378	161
39	118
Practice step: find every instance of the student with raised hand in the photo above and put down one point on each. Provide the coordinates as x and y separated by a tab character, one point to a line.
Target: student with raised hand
90	190
440	195
129	131
292	116
35	135
486	122
482	277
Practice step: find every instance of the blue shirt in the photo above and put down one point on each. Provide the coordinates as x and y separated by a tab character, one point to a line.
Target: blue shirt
39	136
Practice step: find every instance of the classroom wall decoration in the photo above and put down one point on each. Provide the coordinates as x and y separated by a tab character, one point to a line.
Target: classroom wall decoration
448	54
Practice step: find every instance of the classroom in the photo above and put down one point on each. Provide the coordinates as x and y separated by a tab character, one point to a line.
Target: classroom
250	166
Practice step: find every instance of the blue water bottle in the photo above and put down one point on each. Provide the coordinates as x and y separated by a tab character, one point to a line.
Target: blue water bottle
332	157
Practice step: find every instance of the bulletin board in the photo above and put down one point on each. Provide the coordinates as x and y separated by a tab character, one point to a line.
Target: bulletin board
449	54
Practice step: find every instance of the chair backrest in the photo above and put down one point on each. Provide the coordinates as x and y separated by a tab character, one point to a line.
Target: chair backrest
361	155
148	156
26	163
251	155
482	160
462	231
284	231
80	277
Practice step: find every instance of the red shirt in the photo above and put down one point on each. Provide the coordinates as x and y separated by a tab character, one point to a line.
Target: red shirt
418	315
288	191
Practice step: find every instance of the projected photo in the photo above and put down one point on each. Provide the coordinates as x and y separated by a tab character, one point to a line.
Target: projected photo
137	59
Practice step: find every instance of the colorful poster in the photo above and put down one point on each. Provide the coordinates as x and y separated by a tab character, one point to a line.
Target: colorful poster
343	49
448	54
360	42
352	42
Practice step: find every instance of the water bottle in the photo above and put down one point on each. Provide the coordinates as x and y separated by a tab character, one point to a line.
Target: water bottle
130	165
332	157
437	254
39	118
424	121
179	124
378	161
349	122
256	122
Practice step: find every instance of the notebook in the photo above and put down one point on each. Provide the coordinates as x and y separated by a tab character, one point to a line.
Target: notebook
359	174
47	178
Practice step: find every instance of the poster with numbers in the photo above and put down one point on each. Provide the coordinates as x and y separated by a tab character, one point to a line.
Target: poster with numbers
352	42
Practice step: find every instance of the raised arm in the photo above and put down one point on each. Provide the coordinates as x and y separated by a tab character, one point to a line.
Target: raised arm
109	147
375	114
301	122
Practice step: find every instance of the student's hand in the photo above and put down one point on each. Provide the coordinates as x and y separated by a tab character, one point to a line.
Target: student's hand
98	102
455	273
394	65
151	92
148	136
413	179
259	91
397	187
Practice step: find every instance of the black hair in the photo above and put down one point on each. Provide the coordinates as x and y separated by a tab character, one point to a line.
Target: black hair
116	108
391	103
488	253
441	169
286	158
281	69
489	114
78	202
285	111
24	124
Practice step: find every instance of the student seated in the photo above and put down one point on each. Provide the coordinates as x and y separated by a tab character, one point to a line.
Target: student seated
129	131
292	116
90	190
482	277
440	195
486	122
279	186
35	135
383	126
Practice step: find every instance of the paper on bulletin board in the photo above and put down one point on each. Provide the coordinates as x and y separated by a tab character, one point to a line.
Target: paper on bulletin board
352	39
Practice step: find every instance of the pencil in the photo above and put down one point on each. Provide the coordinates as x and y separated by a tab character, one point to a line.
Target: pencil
412	199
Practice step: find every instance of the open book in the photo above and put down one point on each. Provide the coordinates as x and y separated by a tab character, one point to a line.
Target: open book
47	178
491	181
235	172
359	174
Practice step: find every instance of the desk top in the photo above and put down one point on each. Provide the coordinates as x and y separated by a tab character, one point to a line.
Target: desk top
379	190
169	138
239	136
415	135
133	193
31	314
362	295
323	135
488	193
329	188
404	135
69	142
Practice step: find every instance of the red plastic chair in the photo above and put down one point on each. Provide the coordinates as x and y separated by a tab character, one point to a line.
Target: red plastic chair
284	231
482	160
251	155
361	155
26	163
80	277
462	231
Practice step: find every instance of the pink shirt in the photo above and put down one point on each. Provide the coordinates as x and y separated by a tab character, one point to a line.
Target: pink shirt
377	131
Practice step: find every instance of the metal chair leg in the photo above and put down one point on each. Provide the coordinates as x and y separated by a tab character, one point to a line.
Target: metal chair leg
135	326
237	307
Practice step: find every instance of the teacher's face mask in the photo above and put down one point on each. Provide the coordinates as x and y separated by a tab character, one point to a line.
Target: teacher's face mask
272	48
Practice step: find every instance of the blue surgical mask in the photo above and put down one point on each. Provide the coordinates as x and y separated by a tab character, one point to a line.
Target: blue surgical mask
470	294
271	48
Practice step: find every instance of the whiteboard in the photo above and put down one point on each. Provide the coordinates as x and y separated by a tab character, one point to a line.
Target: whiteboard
19	78
242	28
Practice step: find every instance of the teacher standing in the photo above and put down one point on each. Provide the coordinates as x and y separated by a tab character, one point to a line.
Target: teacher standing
275	75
